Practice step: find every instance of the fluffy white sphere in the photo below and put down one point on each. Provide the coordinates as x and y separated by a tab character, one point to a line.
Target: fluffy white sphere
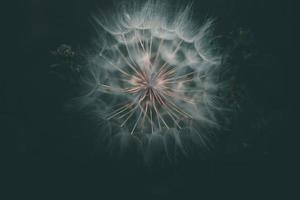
153	79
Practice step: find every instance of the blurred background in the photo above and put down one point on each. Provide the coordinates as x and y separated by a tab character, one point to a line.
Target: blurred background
53	154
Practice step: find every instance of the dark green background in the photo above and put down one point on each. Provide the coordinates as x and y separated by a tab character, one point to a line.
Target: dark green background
52	155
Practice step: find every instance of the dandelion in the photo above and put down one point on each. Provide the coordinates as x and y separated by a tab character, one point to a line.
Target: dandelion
154	77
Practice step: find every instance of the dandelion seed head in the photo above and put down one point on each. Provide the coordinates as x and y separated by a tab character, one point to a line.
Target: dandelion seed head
155	75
